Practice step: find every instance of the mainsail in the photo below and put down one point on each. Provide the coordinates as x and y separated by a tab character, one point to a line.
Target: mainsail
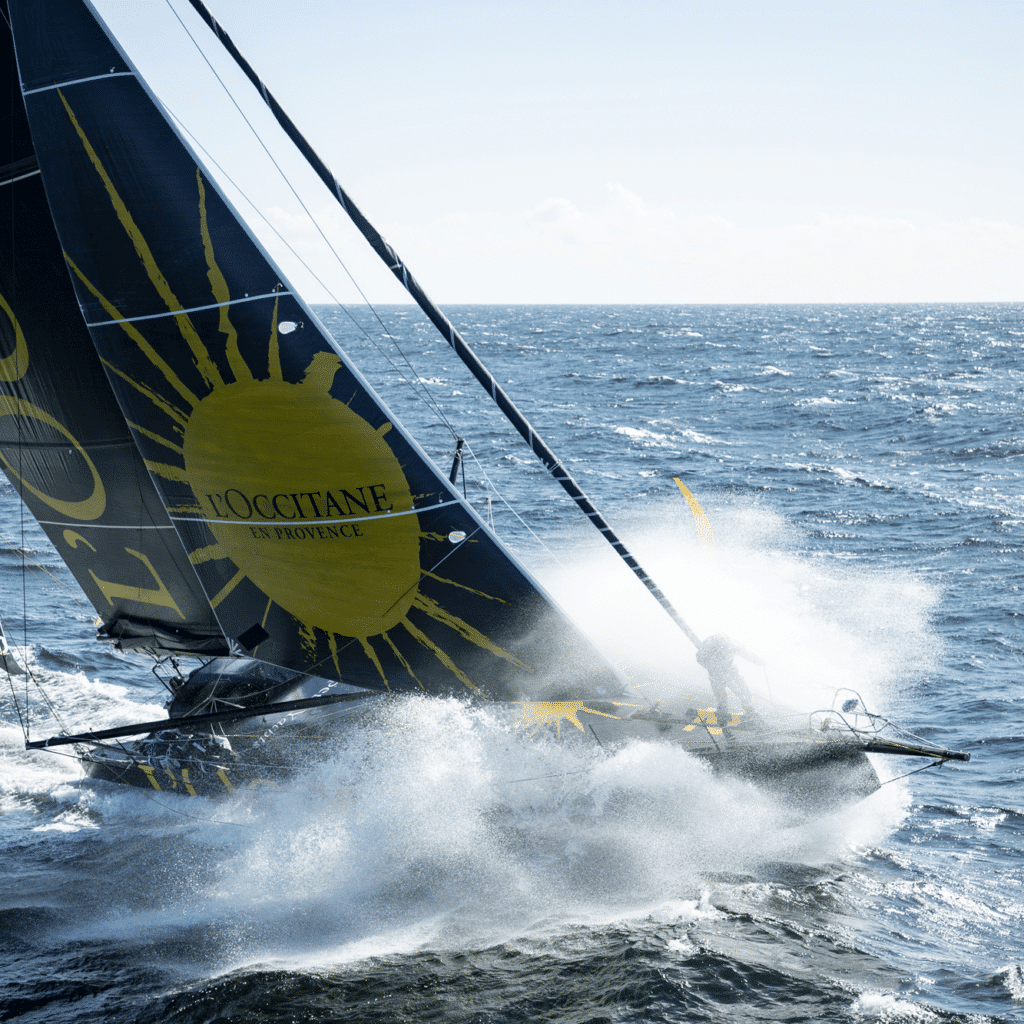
324	538
63	441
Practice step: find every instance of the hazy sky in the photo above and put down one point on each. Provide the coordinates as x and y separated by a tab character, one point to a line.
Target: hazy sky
655	150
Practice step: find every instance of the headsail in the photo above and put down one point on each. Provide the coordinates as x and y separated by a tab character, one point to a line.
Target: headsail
324	537
63	441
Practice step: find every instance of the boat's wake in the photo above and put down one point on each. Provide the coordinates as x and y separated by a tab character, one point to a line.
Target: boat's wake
436	824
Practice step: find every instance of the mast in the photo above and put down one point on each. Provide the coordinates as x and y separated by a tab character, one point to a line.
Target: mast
395	264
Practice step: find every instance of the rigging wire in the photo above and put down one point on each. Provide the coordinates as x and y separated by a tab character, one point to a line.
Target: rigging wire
934	764
24	717
72	593
17	706
501	497
416	378
301	202
26	723
484	377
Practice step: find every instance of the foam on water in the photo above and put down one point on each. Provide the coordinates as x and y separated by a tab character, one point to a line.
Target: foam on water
888	1009
820	624
437	830
1013	979
438	826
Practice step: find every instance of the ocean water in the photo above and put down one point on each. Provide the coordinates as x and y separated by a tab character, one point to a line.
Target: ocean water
862	468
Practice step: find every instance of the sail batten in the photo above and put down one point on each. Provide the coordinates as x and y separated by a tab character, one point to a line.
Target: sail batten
315	521
231	484
177	312
18	170
77	81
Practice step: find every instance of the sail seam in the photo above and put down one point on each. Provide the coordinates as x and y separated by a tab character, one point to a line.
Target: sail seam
179	312
292	523
79	81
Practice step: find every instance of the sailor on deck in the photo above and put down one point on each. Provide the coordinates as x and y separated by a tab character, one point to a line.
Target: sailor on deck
716	655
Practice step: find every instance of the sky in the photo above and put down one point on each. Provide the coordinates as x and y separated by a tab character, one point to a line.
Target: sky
656	151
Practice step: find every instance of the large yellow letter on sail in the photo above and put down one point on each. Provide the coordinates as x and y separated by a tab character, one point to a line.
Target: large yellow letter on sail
159	595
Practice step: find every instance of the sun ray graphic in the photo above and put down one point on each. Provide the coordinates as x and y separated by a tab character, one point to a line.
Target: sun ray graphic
281	492
539	715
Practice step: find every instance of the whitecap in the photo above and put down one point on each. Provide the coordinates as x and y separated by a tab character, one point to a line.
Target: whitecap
1012	978
810	402
889	1009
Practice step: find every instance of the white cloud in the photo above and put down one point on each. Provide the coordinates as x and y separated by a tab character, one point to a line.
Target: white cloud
626	250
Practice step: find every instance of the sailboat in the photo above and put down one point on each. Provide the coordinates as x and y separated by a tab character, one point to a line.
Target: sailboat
225	485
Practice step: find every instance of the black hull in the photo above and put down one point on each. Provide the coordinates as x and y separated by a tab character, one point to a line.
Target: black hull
811	777
795	767
185	778
808	778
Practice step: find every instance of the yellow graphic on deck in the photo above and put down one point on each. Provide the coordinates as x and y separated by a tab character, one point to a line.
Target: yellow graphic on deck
537	715
707	718
303	497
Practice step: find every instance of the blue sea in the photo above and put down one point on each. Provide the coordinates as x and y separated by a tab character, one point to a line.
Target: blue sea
862	469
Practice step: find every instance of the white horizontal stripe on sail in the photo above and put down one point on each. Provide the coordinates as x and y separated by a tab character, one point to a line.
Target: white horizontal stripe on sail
312	522
79	525
193	309
79	81
20	177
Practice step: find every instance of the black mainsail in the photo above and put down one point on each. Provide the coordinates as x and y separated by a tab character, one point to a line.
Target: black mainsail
324	538
64	444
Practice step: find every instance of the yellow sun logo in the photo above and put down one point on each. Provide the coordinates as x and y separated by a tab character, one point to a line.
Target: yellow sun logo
279	485
538	715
